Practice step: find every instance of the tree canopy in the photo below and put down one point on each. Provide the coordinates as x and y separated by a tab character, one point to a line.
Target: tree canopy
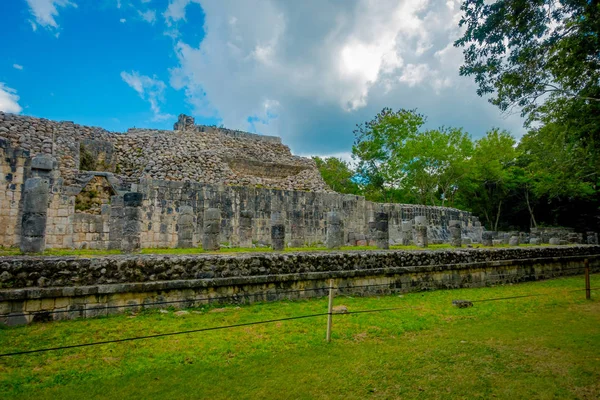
524	53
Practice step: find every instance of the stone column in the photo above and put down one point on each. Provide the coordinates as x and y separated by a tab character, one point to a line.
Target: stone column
211	229
277	231
407	233
335	231
382	232
421	238
245	228
455	233
132	222
186	226
298	231
487	238
115	222
35	210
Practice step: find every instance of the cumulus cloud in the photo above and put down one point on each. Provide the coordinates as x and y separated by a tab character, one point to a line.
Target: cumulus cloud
9	101
45	12
150	89
148	16
17	66
327	65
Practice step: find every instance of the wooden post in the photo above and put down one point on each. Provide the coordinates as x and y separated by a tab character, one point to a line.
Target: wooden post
588	294
330	311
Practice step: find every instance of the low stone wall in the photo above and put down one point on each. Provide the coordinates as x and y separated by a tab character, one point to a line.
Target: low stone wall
79	287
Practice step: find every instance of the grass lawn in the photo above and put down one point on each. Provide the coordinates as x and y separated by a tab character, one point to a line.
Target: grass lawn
531	348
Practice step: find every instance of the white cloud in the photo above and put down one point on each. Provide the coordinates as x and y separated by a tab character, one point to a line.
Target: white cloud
176	10
9	100
122	20
45	12
146	1
17	66
328	65
148	16
149	89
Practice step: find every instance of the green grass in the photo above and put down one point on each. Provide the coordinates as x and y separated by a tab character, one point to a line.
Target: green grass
198	250
540	347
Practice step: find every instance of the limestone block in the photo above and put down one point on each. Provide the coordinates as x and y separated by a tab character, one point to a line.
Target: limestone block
554	241
514	241
335	231
382	233
455	233
211	229
487	238
277	231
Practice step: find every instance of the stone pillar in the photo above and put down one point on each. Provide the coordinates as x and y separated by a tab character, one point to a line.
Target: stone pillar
487	238
277	231
245	229
115	222
592	237
455	233
382	232
35	210
335	231
513	241
186	226
211	229
407	233
298	238
421	238
132	222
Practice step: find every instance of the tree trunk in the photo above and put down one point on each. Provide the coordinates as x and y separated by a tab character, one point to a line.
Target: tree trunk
498	216
530	209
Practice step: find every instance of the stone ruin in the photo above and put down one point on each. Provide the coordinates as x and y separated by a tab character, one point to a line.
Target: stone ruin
71	186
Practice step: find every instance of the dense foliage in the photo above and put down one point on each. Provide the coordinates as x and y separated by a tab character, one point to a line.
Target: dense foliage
547	178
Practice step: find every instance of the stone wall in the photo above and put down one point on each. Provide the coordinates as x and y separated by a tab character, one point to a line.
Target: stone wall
179	174
14	168
86	287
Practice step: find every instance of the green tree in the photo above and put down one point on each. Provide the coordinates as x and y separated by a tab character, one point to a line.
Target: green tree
337	174
527	52
434	162
490	178
378	146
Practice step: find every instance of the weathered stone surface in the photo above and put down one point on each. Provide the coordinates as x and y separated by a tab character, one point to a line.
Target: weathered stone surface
211	229
592	237
455	233
245	228
186	226
335	231
514	241
407	233
76	272
277	231
554	241
535	241
487	238
382	233
33	222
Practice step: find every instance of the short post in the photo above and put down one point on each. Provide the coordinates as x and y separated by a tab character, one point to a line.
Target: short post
588	294
330	311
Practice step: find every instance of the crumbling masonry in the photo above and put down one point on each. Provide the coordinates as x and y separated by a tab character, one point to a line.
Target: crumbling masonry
65	185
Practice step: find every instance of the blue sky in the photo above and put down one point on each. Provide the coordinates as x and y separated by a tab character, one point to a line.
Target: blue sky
306	71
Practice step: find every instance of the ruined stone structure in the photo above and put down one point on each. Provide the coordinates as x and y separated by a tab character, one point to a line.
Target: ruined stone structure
74	287
151	188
